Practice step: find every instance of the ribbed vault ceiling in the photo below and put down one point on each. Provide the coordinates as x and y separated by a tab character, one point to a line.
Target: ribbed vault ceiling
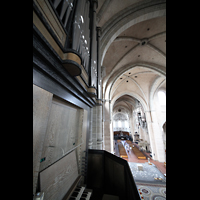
136	57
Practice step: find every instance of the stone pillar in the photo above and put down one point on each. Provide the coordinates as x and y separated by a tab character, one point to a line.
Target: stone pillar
90	136
94	128
160	152
106	125
155	137
151	134
99	124
131	124
96	137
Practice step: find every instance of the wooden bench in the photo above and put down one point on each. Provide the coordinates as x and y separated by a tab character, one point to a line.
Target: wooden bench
138	153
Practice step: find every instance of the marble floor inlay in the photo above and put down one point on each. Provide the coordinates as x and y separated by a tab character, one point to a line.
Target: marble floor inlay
150	173
150	192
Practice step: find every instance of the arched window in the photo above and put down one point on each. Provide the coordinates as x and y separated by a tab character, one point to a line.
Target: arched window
162	98
126	124
119	124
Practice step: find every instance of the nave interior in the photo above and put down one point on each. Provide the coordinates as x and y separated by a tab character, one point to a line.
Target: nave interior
99	68
149	175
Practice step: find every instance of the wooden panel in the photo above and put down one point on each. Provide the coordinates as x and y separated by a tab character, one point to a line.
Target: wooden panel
114	177
95	170
63	131
41	109
51	18
40	26
56	180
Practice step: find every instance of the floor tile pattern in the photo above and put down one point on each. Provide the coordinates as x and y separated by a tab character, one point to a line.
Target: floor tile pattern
150	192
149	174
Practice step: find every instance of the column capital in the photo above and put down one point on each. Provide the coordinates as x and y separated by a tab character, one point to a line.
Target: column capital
99	102
106	100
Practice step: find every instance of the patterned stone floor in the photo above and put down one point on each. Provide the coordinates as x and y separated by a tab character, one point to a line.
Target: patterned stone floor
148	181
133	158
149	174
149	188
152	192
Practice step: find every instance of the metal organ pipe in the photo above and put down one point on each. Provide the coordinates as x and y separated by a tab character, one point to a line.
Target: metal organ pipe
94	49
77	25
81	40
67	7
87	38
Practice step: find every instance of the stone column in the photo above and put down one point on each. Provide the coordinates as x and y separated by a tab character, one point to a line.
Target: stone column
90	136
131	124
151	134
160	153
155	137
96	137
99	124
94	128
106	124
